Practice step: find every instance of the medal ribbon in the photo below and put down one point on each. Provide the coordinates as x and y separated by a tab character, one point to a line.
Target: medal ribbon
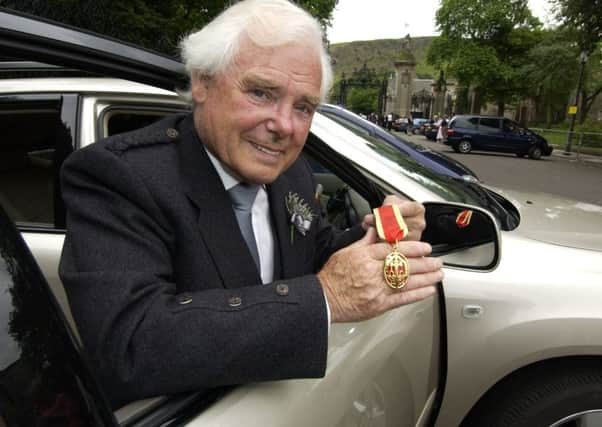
390	224
463	218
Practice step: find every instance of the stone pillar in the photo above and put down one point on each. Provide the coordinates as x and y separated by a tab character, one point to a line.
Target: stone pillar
405	73
439	92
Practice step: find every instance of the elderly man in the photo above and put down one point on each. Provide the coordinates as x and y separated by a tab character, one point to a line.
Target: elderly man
176	287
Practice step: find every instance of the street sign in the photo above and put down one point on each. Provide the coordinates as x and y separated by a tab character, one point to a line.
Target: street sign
573	109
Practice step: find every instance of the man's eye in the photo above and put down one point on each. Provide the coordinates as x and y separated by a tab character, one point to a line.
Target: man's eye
260	93
305	108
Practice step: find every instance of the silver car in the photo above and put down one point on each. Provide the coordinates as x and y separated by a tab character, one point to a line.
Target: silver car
512	338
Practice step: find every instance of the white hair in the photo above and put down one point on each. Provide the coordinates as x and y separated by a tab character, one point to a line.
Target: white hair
266	23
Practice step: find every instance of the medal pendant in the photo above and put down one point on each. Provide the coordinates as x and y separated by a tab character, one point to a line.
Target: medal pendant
396	269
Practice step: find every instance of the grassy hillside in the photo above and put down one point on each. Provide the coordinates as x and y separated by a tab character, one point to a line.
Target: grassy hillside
379	55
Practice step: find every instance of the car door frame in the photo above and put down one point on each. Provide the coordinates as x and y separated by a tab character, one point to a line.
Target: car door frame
488	139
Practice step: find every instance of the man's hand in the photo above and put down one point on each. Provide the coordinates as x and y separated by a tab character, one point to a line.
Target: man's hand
353	281
412	212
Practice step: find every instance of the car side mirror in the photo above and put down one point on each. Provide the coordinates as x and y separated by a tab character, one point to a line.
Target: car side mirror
462	236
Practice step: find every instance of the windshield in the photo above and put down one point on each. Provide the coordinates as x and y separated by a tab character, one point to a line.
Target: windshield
448	188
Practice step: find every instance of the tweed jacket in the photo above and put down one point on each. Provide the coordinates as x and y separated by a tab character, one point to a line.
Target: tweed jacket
162	286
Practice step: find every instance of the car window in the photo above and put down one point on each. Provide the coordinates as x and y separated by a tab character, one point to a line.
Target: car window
34	143
44	380
465	122
358	130
489	124
125	118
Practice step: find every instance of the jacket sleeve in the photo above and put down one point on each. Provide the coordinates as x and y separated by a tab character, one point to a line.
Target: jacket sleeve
146	336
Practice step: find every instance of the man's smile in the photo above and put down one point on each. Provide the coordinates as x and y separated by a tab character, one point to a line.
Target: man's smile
266	150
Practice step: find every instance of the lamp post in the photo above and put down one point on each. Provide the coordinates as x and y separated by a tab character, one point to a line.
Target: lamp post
569	138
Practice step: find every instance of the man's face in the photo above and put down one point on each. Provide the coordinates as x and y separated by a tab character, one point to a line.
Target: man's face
255	117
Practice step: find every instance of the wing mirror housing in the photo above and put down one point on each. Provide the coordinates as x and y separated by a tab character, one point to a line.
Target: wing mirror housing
463	236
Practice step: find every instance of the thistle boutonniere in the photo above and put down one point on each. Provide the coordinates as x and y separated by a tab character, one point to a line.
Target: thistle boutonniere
301	214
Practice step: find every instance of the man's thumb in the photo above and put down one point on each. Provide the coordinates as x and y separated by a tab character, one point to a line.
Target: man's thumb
368	239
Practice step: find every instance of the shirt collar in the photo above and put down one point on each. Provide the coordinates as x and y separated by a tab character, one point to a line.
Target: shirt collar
229	178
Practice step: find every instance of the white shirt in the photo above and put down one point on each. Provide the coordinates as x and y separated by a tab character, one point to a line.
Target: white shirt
262	226
260	220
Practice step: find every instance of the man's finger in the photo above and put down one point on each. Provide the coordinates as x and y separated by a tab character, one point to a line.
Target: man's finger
424	265
368	239
411	249
410	296
411	209
422	280
369	220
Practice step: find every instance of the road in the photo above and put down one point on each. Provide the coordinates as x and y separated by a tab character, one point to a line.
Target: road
579	179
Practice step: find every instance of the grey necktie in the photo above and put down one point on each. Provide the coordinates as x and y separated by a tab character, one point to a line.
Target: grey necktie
242	196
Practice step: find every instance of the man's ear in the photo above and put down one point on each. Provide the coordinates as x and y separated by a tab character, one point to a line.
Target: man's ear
199	88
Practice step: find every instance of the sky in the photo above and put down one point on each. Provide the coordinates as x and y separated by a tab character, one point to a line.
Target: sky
393	19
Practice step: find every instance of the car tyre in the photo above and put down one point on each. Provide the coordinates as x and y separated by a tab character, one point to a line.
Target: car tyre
464	147
535	152
545	395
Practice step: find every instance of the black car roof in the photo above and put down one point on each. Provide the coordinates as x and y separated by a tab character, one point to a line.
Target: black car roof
24	37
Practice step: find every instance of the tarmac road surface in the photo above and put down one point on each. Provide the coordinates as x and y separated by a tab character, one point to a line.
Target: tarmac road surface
578	178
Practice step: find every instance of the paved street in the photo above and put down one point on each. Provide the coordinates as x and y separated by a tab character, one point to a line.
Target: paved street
579	179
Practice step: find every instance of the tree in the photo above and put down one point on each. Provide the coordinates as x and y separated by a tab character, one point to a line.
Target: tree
363	100
550	73
154	24
321	9
483	44
583	18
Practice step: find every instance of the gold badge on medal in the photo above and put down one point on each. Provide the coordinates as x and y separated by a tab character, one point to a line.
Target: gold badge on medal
392	228
396	269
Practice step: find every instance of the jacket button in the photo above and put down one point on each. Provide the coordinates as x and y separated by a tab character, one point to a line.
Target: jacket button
184	299
234	301
171	132
282	289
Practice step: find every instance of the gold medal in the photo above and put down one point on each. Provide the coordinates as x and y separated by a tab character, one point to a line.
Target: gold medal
396	269
391	227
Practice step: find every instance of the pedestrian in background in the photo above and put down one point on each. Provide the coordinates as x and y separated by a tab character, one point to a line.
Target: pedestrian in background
442	131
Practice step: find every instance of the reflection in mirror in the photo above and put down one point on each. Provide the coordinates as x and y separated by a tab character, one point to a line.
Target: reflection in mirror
462	235
582	419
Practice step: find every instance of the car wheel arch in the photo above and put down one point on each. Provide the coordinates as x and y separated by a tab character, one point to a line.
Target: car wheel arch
465	145
535	152
520	376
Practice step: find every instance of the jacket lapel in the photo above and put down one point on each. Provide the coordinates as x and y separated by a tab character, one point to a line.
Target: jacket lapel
291	255
216	218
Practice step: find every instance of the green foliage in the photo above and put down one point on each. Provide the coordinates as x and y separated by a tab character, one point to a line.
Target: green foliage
379	55
582	21
585	18
549	74
483	44
363	100
154	24
321	9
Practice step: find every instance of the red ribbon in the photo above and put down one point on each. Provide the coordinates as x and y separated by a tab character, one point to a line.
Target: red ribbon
463	218
390	224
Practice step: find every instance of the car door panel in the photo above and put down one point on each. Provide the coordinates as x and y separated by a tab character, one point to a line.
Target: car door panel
517	138
490	135
381	372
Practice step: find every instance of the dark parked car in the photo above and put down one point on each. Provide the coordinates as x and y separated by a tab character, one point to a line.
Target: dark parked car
401	124
429	130
489	133
433	160
417	125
